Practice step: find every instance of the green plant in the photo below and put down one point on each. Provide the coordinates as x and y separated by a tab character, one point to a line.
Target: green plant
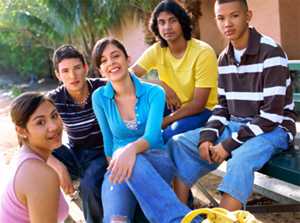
15	91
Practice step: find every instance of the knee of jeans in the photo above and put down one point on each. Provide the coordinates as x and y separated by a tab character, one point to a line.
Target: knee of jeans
239	165
61	153
140	161
173	149
142	167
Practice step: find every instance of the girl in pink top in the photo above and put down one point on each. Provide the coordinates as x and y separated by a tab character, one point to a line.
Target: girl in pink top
32	193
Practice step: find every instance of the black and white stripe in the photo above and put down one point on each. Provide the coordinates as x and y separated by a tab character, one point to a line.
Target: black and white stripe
259	87
80	122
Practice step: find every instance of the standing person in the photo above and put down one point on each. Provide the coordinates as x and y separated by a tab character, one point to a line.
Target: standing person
130	113
255	117
31	195
187	69
83	156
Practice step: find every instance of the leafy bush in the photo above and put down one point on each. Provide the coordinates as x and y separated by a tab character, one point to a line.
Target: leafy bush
26	61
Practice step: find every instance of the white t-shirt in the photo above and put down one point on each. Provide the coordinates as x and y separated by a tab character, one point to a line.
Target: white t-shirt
238	54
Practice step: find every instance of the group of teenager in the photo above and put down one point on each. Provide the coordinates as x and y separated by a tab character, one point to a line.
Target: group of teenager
135	143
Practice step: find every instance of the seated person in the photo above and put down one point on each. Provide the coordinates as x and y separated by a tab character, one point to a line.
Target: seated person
187	69
254	118
31	195
130	113
82	156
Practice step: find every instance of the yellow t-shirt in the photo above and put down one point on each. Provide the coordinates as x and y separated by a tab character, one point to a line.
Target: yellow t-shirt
196	69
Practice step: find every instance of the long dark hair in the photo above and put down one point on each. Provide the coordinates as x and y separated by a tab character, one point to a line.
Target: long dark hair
172	7
23	106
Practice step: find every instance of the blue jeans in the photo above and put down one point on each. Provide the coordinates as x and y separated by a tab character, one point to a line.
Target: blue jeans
90	166
148	186
184	124
245	160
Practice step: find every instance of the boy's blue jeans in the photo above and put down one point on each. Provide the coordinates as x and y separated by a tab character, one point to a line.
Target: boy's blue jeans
90	166
245	160
184	124
149	186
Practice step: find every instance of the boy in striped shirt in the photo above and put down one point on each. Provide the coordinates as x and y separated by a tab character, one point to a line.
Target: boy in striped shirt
254	118
82	156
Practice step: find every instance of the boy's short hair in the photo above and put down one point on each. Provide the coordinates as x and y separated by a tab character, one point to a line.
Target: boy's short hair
173	7
243	2
66	51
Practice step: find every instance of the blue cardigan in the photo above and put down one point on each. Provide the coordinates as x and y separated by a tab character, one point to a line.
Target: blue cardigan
149	115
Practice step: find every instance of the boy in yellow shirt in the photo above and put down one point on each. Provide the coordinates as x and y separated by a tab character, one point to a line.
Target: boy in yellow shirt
187	69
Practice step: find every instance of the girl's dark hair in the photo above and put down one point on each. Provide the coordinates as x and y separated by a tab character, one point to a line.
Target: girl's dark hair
66	52
172	7
23	106
100	47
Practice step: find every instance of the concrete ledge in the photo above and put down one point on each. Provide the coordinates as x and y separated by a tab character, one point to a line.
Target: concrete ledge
272	188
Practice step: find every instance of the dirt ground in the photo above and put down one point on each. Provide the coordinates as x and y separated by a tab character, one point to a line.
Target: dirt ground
8	140
8	146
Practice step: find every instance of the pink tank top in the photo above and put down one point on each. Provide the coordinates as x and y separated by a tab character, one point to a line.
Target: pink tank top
11	209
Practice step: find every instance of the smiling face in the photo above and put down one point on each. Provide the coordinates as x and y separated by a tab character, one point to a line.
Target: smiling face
169	27
233	22
72	72
43	130
113	63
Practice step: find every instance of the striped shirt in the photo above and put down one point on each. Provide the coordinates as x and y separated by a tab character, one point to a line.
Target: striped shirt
79	122
258	89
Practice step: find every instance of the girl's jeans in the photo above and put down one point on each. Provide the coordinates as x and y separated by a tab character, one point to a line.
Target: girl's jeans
149	186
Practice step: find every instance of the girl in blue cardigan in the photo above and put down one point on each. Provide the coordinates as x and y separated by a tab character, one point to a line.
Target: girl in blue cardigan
130	114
